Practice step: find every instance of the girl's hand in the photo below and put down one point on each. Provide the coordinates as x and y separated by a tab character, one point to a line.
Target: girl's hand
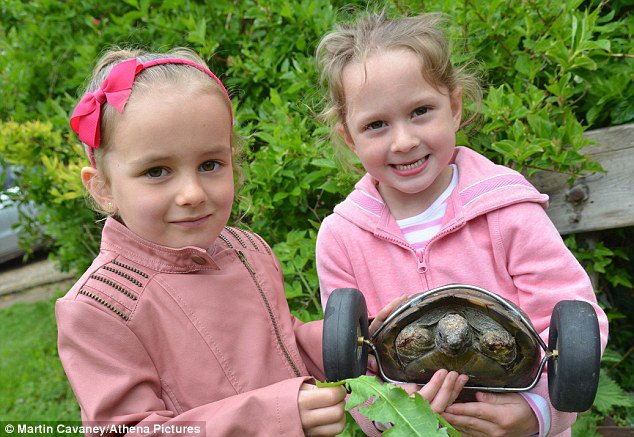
442	389
495	414
385	312
378	321
321	410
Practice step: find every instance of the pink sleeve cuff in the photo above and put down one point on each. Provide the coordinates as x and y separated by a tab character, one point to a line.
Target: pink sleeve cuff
542	411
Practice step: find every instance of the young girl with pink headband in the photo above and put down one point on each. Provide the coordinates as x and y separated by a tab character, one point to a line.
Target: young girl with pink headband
180	325
428	213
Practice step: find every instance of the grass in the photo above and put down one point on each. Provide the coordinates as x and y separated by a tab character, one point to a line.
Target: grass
33	385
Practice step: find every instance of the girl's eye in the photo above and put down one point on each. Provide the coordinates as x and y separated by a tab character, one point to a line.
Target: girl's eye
156	172
420	111
375	125
209	166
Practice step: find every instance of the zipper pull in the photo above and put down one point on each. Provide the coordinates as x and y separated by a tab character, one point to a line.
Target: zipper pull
420	258
245	261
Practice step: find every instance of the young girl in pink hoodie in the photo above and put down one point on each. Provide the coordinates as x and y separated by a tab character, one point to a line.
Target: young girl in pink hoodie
180	326
428	213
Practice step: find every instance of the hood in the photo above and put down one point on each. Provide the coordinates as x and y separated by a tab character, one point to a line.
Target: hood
483	186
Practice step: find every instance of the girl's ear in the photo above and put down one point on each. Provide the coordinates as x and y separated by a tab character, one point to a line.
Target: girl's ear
343	131
456	107
97	187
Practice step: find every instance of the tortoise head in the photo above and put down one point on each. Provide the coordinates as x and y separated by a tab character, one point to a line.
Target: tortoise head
453	334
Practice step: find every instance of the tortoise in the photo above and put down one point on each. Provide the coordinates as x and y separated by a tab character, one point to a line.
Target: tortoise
472	331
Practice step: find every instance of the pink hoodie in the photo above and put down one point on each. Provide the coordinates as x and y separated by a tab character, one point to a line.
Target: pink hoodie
495	235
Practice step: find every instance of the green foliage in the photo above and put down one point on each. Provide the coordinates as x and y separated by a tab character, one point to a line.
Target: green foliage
554	69
48	171
543	61
609	260
611	401
288	187
387	403
610	395
585	426
294	254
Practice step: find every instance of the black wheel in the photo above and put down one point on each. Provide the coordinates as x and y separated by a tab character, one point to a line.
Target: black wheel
345	321
573	374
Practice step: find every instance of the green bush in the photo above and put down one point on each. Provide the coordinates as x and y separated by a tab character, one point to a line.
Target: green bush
554	70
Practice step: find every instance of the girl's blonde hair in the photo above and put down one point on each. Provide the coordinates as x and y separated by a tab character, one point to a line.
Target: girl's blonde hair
375	32
146	80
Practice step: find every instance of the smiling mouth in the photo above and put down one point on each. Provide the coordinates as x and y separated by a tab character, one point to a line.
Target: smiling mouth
411	165
192	221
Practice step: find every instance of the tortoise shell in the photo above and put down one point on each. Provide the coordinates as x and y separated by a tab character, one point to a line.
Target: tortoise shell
459	328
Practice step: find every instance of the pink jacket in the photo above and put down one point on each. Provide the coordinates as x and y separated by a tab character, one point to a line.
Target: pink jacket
495	235
153	335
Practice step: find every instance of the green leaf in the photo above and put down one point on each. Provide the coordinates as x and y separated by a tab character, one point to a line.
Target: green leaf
610	395
279	196
409	415
322	384
584	62
330	186
324	163
505	147
522	65
275	97
585	426
198	34
610	356
536	147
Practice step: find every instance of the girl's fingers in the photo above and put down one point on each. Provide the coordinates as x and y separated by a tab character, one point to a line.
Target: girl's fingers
311	397
321	410
493	414
430	389
460	383
443	388
385	312
444	394
372	364
470	426
409	387
320	417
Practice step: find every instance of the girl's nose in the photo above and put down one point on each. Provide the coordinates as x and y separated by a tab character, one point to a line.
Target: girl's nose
190	192
404	139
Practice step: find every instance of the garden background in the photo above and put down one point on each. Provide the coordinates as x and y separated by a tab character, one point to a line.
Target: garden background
554	69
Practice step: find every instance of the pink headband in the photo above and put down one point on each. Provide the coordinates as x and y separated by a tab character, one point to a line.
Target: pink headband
115	89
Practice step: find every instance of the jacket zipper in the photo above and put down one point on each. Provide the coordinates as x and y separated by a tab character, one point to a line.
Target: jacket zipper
444	232
438	236
420	257
276	328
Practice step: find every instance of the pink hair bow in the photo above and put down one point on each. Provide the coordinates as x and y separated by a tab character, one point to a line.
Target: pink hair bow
86	118
116	89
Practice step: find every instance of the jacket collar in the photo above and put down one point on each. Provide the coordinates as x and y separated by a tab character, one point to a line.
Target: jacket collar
118	238
483	186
